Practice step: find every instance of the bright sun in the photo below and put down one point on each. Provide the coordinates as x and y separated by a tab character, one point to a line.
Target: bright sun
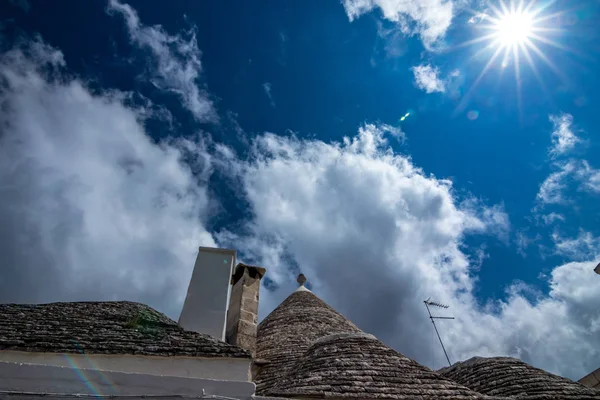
514	28
514	32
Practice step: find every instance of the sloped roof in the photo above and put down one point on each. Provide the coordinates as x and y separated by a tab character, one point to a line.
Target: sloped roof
285	334
506	376
357	365
118	327
592	379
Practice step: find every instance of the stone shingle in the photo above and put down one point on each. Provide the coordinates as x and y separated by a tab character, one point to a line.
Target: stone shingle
511	377
360	366
285	334
118	327
306	349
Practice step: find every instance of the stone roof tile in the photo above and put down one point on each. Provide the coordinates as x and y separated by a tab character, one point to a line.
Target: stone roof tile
511	377
117	327
285	334
357	365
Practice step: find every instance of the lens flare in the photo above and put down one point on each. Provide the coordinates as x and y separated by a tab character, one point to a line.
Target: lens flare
473	115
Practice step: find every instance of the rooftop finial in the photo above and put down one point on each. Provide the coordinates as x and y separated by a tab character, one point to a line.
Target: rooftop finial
301	279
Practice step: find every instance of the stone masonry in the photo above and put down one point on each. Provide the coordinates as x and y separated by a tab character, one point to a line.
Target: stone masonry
242	316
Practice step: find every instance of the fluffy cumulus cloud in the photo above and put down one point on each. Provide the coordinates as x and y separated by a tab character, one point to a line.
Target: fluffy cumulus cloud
427	78
175	61
376	236
90	207
430	19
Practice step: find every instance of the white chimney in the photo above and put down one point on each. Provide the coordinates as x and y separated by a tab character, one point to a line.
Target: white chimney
205	307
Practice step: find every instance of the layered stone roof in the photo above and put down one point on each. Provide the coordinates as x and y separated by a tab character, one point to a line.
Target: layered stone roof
285	334
118	327
357	365
511	377
306	349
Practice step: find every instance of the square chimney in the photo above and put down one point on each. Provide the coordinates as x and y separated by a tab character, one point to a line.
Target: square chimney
206	303
242	316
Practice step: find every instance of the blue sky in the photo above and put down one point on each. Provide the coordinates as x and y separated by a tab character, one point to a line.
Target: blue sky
135	132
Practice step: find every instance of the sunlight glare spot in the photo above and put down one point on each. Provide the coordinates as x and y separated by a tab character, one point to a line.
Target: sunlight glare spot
514	28
511	31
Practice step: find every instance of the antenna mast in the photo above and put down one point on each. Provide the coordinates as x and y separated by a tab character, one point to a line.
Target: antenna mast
432	318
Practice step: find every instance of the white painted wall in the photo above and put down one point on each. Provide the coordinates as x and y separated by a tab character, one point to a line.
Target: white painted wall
39	379
207	300
223	368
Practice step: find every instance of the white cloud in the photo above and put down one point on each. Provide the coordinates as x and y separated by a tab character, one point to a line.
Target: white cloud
577	173
176	61
563	138
552	189
427	78
90	207
552	217
478	17
391	41
267	88
376	236
393	131
583	247
523	241
430	19
589	177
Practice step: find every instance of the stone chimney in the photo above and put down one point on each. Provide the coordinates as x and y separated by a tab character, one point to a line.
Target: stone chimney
242	316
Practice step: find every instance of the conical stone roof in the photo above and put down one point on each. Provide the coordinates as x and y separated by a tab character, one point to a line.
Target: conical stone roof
511	377
357	365
285	334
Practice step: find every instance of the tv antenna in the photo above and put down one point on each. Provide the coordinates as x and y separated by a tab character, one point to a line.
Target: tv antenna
428	303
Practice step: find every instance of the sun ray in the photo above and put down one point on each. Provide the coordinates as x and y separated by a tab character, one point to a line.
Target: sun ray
525	51
549	42
547	30
505	58
548	17
558	45
518	81
473	41
464	100
543	7
518	32
529	7
549	63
